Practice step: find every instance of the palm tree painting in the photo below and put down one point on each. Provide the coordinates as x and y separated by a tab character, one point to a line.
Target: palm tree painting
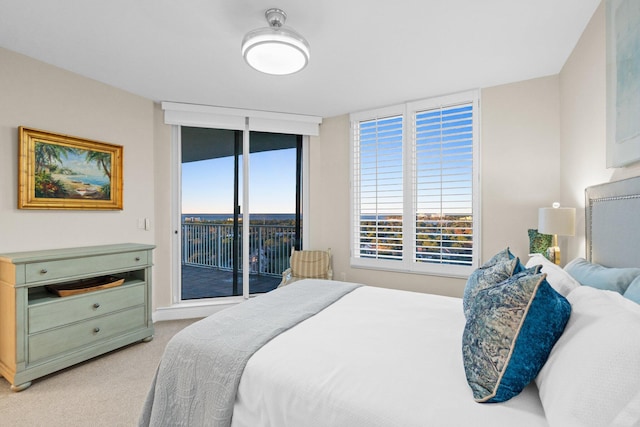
71	173
65	172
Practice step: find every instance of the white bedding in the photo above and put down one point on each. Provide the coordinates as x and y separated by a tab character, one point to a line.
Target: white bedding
377	357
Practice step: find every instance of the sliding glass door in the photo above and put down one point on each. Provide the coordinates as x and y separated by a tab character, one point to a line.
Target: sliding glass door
212	215
275	199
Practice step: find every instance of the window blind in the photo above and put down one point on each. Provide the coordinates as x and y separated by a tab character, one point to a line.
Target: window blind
443	181
379	214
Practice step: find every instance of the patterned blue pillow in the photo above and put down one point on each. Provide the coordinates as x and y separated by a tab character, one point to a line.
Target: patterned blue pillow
503	255
510	331
500	267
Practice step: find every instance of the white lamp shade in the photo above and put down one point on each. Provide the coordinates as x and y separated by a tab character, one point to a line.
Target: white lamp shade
275	51
561	221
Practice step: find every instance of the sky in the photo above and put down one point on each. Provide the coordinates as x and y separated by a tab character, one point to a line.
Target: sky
207	186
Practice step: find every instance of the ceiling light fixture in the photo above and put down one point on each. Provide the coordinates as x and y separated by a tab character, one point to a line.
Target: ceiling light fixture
275	49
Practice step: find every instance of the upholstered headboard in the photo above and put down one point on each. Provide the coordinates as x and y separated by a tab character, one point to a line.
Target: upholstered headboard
612	221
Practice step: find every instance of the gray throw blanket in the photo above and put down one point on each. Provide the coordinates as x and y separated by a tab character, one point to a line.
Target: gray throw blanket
197	379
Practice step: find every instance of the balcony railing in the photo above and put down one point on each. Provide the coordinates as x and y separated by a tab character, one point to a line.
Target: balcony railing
211	245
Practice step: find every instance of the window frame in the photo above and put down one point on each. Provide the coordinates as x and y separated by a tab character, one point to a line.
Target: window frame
408	112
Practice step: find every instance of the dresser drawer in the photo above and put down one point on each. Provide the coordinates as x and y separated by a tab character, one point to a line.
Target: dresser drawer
69	338
51	270
62	311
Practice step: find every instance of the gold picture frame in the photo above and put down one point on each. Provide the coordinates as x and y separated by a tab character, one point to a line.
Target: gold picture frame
65	172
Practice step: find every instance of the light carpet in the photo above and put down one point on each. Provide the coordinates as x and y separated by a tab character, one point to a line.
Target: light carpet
105	391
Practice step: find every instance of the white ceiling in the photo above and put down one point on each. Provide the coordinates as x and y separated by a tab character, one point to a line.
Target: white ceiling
364	53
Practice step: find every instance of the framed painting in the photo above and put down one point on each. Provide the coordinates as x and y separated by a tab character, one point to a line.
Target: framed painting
623	82
64	172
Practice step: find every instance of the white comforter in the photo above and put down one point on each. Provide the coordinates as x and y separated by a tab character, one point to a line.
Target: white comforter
377	357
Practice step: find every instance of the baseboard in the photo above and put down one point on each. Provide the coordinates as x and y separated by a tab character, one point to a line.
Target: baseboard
190	310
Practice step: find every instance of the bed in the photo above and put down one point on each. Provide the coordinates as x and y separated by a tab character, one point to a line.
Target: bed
330	353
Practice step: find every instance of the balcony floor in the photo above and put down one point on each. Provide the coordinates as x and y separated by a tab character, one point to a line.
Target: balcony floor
207	282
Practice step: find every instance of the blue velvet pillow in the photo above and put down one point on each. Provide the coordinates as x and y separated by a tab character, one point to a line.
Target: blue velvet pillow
598	276
510	331
633	291
500	267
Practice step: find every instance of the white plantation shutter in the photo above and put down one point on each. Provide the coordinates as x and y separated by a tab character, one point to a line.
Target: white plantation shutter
443	141
379	181
415	204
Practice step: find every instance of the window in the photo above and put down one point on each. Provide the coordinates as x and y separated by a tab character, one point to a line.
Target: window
415	186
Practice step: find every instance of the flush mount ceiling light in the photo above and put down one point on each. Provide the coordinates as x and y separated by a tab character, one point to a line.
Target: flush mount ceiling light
275	49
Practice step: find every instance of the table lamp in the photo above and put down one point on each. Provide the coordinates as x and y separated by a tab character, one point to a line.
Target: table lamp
556	221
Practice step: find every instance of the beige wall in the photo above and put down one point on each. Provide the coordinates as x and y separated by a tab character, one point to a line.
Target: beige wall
520	161
583	126
41	96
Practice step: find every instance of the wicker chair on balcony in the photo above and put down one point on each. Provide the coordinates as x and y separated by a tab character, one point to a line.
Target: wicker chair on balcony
307	264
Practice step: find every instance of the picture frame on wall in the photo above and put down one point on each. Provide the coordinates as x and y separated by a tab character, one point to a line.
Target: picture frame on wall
623	82
65	172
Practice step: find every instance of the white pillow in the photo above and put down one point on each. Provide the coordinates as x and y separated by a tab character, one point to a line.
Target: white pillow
592	375
560	280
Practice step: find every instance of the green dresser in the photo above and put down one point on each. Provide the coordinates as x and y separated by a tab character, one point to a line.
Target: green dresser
41	332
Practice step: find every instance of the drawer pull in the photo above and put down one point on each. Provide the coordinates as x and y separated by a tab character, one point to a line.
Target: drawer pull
43	271
96	330
137	258
96	305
